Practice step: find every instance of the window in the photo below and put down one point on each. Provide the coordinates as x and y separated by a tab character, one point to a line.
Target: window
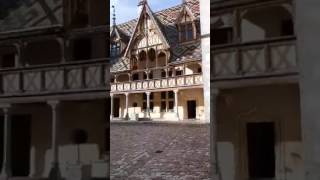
171	105
115	49
186	32
151	75
200	70
144	105
222	36
171	94
163	95
167	101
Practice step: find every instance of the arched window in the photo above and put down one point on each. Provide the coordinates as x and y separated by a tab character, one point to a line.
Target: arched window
142	56
152	54
134	63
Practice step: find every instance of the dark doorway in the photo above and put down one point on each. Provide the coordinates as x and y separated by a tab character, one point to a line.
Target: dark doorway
192	105
261	155
20	144
116	107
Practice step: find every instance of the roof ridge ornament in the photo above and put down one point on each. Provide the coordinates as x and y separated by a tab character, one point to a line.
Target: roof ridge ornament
142	2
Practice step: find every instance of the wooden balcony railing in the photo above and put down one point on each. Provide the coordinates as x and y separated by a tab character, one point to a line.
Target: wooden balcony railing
254	59
172	82
55	78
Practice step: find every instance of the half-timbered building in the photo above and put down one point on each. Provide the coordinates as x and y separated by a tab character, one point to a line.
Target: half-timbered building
156	71
53	73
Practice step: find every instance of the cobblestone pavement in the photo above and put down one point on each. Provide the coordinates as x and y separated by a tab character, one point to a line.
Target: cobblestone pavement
159	151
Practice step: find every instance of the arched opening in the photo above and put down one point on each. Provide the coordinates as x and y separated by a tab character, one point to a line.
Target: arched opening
142	60
37	55
123	78
134	63
162	59
266	22
222	29
152	58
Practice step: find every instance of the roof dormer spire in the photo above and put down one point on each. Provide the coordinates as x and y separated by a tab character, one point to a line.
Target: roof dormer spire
114	15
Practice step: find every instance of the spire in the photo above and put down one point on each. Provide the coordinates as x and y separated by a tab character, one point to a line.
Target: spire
142	2
114	15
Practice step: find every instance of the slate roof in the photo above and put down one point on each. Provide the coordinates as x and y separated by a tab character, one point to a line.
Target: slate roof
166	19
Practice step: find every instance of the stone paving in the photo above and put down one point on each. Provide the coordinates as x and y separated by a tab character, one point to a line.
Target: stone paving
159	151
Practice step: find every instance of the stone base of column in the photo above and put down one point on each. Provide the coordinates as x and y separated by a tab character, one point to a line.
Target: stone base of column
126	117
55	173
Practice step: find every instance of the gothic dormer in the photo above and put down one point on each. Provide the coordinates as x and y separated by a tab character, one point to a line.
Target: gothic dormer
147	33
187	24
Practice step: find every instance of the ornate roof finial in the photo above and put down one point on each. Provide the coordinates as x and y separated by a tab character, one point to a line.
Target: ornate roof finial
114	15
142	2
184	2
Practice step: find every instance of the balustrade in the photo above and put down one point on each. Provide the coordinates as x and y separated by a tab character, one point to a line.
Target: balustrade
171	82
55	78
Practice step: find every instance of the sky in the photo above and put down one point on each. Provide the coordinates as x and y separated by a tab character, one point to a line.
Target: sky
128	9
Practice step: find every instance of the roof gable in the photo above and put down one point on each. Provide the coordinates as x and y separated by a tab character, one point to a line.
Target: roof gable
146	11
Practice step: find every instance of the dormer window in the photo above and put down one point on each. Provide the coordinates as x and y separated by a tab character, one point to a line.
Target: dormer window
115	49
186	25
186	32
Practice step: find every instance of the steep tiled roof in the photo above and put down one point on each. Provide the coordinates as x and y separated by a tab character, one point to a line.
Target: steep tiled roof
166	19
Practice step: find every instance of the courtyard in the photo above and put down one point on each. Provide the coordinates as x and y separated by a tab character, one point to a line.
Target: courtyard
159	151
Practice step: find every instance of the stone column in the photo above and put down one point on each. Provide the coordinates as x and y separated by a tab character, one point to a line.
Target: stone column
148	104
6	171
111	107
213	135
176	103
55	171
127	106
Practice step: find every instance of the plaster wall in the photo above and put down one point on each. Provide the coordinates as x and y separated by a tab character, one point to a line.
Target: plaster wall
278	104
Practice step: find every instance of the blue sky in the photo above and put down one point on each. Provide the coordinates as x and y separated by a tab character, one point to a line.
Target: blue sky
128	9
